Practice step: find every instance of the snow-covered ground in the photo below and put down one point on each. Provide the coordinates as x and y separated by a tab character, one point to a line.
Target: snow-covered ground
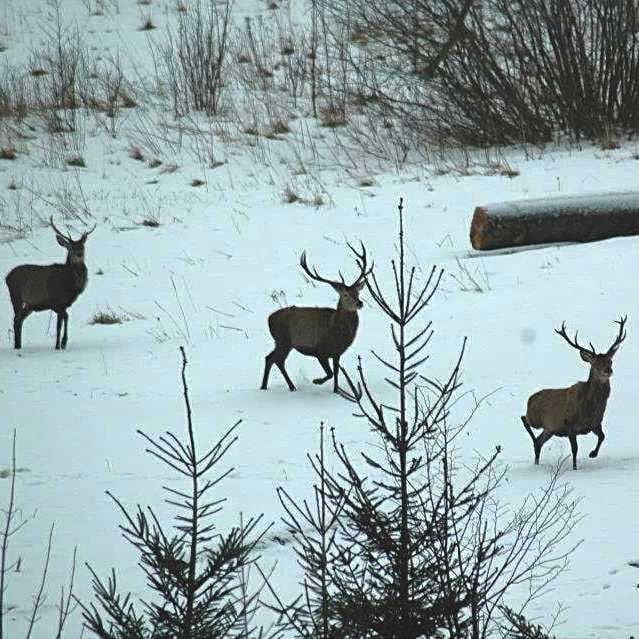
224	256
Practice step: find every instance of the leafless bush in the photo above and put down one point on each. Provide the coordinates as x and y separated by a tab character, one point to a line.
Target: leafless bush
107	91
537	67
389	51
13	521
191	62
15	98
62	59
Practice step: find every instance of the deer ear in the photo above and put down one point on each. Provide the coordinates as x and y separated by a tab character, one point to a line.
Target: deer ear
361	285
337	286
62	241
587	357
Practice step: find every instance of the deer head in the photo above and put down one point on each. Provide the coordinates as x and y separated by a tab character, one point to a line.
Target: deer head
600	363
75	248
348	293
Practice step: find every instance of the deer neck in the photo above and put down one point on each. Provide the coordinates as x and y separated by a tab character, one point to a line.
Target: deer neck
346	319
597	390
79	275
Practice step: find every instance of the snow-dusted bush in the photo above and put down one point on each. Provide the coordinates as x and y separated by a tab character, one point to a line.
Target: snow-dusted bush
191	60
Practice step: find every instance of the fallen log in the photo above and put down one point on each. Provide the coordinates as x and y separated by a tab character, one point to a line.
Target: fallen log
582	218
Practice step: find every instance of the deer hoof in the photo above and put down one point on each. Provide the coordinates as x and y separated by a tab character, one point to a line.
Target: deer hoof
593	454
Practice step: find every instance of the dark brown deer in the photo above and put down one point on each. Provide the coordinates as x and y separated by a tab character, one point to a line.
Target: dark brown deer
324	333
579	409
52	287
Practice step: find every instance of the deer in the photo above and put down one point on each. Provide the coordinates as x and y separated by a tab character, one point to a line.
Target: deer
323	333
578	409
49	287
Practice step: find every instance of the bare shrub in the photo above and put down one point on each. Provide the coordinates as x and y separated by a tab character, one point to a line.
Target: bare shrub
13	521
289	196
62	59
15	94
332	116
191	63
513	79
107	91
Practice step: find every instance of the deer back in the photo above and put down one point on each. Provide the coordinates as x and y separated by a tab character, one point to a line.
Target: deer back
54	286
553	408
578	408
315	331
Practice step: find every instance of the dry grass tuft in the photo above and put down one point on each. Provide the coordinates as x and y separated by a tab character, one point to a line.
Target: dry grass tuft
8	153
147	24
76	160
135	153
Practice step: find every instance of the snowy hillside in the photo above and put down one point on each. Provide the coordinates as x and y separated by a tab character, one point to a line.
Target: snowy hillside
203	266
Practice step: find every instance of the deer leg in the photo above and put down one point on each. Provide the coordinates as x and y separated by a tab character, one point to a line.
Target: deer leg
335	374
277	357
280	365
573	446
327	369
600	437
528	428
539	442
18	318
268	362
65	318
58	328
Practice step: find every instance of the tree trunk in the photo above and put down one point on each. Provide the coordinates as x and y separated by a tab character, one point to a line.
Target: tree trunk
562	219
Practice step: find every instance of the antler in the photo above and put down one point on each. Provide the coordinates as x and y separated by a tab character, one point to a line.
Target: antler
574	343
87	233
621	336
68	237
361	262
58	231
314	275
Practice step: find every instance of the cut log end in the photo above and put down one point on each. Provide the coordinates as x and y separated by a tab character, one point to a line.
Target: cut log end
477	226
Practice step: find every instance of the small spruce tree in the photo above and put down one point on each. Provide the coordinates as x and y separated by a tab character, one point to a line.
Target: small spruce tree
407	542
195	574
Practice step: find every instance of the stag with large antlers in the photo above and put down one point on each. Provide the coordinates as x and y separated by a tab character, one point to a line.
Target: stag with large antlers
579	409
324	333
52	287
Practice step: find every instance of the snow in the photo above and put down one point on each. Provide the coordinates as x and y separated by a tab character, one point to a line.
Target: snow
589	204
224	256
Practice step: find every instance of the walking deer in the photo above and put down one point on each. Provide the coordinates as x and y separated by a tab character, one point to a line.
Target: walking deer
52	287
579	409
324	333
